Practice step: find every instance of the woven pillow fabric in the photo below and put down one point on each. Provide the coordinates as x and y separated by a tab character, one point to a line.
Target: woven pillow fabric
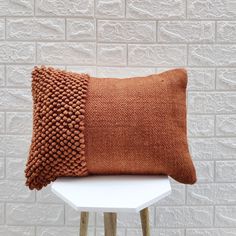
84	125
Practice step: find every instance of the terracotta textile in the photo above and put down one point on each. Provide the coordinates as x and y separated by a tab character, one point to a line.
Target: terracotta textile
85	125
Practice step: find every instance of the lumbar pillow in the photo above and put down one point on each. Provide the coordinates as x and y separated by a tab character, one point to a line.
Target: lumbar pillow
84	125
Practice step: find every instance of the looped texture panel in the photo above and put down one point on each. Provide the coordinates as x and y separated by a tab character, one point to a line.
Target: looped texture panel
58	141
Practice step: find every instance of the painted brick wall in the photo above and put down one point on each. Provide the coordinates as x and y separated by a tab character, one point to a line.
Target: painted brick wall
123	38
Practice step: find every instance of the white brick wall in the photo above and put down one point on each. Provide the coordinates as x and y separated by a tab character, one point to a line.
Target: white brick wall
120	38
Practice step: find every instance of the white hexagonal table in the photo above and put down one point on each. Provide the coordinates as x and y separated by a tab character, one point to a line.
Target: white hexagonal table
112	193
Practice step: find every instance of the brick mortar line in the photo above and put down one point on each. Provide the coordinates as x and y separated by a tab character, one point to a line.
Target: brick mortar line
233	19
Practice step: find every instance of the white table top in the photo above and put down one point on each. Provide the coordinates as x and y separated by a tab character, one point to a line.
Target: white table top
112	193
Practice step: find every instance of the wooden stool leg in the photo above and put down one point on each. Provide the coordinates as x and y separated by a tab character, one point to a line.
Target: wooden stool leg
145	221
110	223
84	216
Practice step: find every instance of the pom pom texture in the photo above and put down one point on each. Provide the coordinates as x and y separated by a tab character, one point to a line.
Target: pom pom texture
58	144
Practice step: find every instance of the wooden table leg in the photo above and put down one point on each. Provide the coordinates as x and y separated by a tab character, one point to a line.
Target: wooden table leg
84	216
144	215
110	223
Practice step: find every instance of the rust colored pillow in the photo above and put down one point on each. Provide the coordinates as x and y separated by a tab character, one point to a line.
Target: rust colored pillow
84	125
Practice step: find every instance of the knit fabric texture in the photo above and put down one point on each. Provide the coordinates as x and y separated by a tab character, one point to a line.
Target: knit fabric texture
84	125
